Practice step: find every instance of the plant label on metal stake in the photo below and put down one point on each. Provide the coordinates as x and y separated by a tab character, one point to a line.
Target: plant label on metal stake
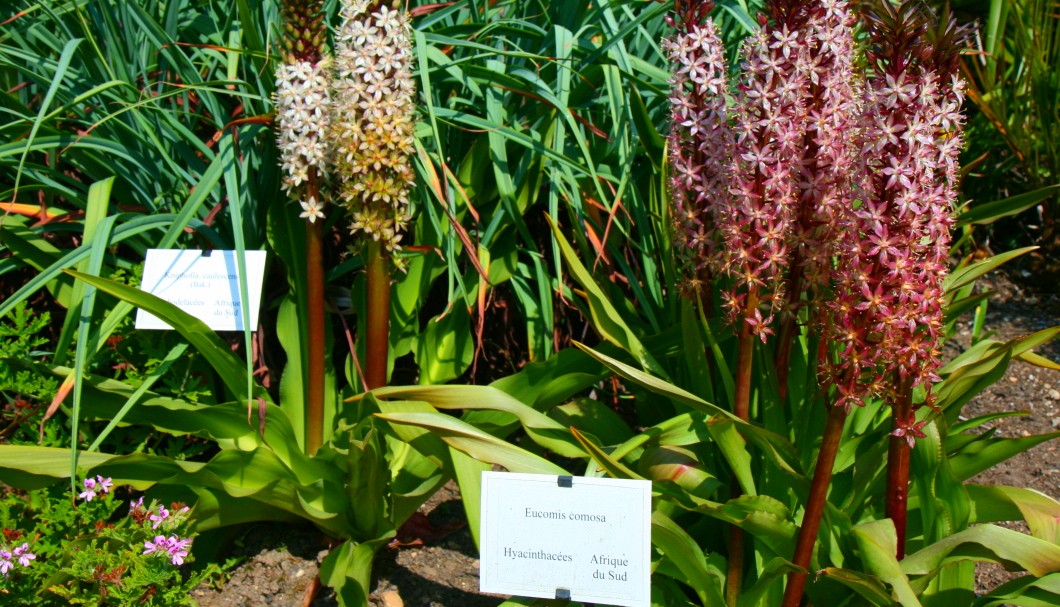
579	538
204	284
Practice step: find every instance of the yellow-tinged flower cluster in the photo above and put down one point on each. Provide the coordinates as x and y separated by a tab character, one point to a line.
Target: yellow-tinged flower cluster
373	108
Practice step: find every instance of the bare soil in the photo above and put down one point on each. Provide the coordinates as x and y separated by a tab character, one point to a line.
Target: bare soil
1031	390
440	568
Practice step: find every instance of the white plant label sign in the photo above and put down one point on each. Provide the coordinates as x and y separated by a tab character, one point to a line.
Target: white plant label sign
204	284
586	539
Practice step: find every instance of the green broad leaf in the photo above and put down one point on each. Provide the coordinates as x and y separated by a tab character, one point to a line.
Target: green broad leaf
679	466
676	545
956	431
868	587
347	570
1026	591
734	449
986	543
654	384
258	475
878	545
1038	361
1022	345
468	473
958	307
606	318
764	517
769	578
175	353
446	347
421	439
968	274
983	214
969	374
367	480
654	144
593	416
414	477
68	260
38	253
229	368
984	454
542	429
607	464
224	423
290	329
999	503
681	430
33	467
545	384
694	350
474	442
214	509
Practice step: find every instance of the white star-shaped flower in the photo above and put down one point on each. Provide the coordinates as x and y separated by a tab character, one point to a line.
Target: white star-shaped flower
310	210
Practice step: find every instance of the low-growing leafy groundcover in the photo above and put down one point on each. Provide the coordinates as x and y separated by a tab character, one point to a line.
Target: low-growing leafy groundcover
711	246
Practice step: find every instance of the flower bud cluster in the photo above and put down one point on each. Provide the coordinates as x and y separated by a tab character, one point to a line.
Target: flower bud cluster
701	142
302	104
373	109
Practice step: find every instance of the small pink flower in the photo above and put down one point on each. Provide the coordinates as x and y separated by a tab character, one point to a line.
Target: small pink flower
23	555
178	549
910	431
162	515
138	504
90	490
160	543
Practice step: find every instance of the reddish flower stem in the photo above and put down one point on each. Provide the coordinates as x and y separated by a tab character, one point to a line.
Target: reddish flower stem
788	329
314	377
378	321
818	498
898	465
741	407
